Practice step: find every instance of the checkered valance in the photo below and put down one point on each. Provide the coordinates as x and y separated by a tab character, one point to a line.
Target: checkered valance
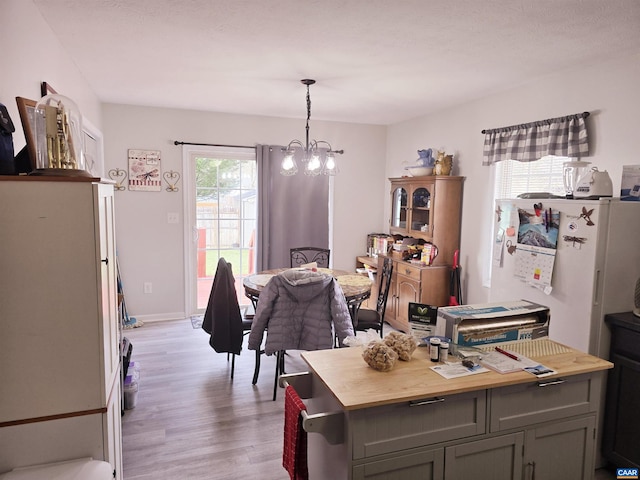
563	136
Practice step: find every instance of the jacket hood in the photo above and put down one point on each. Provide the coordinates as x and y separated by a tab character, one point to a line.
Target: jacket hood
303	284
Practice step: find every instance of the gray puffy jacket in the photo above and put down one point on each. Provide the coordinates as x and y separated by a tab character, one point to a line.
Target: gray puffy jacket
297	308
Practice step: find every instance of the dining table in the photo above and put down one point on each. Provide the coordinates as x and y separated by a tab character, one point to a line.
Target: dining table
356	287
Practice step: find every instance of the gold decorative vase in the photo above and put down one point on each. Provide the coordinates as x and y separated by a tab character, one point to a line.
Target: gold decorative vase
444	164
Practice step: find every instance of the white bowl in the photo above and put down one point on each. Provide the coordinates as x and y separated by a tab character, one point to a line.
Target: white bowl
418	171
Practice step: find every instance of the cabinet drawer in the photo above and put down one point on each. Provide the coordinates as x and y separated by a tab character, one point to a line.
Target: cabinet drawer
408	270
525	404
399	427
626	342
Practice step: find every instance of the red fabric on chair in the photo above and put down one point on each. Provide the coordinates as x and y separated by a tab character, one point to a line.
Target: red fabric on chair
294	453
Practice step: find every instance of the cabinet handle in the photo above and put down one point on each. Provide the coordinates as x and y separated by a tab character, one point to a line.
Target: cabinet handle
407	271
551	382
418	403
105	261
533	470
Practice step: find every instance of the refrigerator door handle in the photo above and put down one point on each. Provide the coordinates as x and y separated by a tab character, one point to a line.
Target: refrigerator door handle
596	288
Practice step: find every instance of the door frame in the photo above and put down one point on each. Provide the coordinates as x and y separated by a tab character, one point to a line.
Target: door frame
190	232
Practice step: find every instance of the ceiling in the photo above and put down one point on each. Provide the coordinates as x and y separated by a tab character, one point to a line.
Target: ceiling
375	61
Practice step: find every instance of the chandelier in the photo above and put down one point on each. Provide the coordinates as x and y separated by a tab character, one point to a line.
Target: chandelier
311	151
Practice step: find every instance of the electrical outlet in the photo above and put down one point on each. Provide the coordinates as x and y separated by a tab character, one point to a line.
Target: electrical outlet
148	287
173	217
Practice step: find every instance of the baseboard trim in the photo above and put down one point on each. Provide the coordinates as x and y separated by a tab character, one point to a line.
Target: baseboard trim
159	317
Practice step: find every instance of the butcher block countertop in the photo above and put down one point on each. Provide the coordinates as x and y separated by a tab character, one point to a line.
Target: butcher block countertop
355	385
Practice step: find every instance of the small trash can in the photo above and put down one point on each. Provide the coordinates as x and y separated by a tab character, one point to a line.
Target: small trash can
130	392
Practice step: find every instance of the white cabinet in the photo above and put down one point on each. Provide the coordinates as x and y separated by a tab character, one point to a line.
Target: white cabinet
59	358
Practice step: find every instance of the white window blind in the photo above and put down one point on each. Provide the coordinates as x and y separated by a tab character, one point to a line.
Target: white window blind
513	178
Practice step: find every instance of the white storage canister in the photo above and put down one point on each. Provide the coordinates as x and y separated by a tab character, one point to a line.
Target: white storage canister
444	351
130	391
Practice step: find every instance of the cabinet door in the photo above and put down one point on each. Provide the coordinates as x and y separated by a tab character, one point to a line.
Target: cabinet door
399	210
622	421
421	205
497	458
561	450
435	283
425	465
107	286
112	432
51	352
408	290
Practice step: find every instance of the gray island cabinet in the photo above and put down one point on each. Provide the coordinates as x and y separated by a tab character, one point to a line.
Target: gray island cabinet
412	423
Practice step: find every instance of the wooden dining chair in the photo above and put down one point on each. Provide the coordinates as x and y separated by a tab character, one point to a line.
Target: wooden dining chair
365	318
302	255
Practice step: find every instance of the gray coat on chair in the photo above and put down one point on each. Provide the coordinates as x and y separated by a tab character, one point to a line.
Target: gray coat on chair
298	308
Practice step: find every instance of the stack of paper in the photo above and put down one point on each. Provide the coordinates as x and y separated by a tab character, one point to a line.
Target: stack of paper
512	362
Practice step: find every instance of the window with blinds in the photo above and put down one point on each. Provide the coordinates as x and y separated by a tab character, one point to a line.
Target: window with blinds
513	178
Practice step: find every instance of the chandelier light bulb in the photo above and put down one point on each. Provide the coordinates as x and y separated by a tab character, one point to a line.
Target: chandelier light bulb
314	165
330	164
289	166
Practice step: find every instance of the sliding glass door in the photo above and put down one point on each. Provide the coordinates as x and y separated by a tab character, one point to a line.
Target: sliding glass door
220	218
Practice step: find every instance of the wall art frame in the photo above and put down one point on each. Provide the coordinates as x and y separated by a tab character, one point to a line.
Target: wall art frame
145	173
47	89
27	110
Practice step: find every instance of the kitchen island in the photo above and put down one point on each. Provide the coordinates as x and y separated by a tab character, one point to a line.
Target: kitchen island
412	423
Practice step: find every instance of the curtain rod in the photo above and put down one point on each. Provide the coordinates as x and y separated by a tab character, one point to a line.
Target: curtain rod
539	122
176	142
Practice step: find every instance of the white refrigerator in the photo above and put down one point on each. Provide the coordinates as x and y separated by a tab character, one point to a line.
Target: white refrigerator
592	270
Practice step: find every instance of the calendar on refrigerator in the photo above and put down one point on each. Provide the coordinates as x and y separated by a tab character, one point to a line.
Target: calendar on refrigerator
534	264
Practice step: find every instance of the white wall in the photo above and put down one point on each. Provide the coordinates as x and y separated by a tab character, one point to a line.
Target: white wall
609	91
31	54
151	250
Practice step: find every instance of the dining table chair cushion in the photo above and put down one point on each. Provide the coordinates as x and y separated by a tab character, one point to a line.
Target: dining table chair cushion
368	319
300	310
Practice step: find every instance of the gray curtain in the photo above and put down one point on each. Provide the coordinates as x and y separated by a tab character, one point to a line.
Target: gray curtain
292	211
562	136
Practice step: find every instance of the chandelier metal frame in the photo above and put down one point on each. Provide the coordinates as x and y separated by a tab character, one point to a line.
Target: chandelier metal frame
313	165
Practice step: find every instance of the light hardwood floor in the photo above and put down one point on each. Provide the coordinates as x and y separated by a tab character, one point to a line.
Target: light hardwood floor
191	421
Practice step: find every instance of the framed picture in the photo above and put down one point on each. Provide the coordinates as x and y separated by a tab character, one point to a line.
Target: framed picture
46	89
93	145
145	174
27	110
